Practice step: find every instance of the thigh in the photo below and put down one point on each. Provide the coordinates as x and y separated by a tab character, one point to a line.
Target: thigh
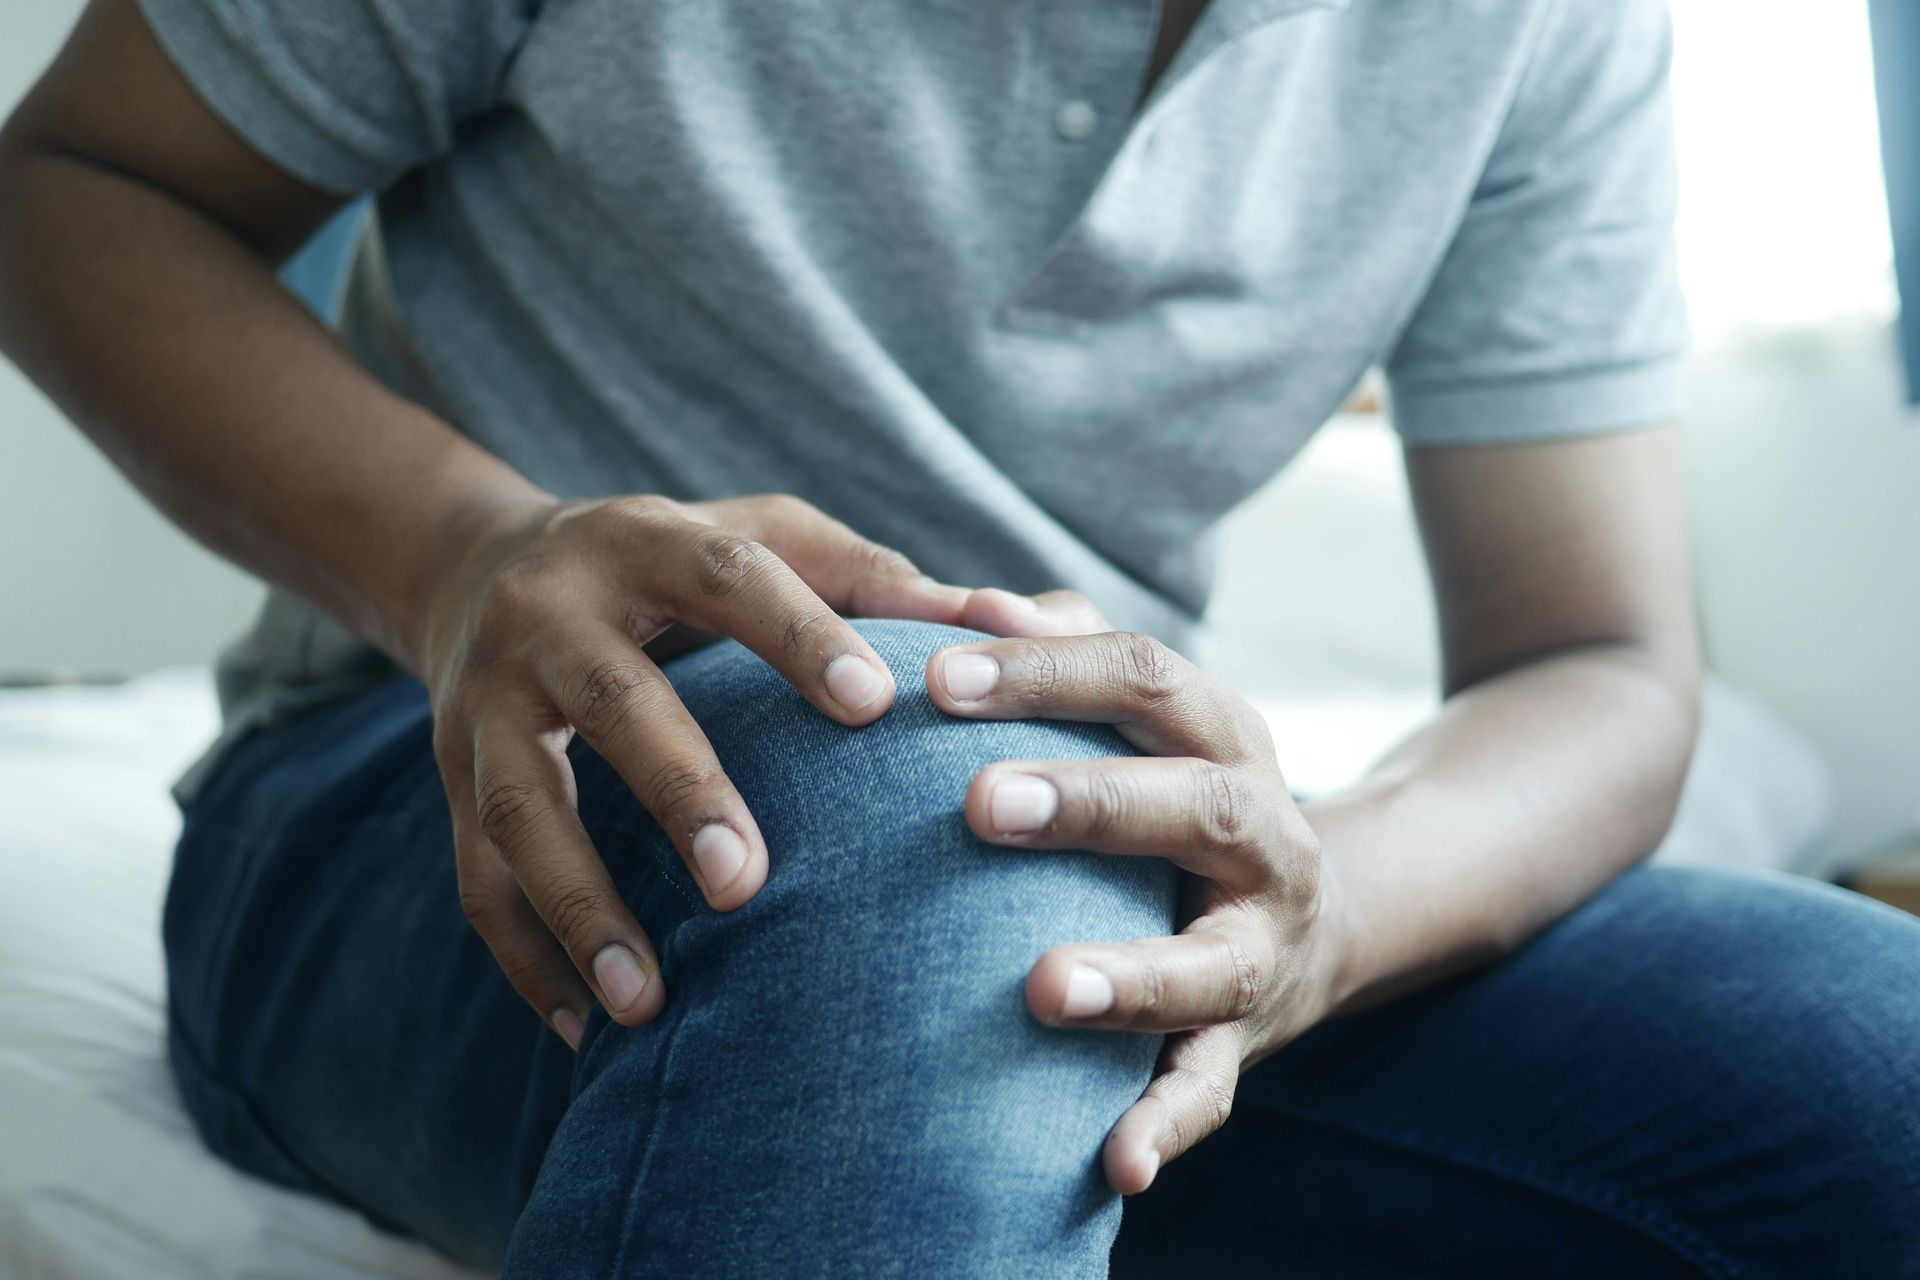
1700	1072
334	1023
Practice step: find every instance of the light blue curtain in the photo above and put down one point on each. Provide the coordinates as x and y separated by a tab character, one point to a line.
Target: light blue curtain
1896	68
317	272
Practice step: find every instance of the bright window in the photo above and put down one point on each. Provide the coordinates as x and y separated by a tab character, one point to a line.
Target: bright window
1783	217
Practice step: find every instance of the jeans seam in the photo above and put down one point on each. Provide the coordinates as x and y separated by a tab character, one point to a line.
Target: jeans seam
643	1151
1630	1212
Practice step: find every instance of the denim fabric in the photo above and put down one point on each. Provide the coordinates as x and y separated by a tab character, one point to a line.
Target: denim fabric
1698	1073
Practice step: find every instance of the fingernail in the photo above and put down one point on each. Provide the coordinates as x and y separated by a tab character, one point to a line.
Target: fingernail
969	676
719	852
620	976
854	683
570	1026
1089	993
1022	803
1153	1164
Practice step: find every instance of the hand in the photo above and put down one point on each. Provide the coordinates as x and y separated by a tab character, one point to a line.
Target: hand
536	633
1254	964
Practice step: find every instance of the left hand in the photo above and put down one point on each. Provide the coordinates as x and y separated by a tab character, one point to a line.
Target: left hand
1254	963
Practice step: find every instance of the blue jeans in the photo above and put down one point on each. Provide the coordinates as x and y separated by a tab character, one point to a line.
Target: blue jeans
1697	1073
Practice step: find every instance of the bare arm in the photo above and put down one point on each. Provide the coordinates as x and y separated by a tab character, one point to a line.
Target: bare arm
1555	763
138	237
1573	693
138	241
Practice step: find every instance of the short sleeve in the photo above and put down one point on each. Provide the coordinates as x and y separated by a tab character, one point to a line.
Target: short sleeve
344	94
1557	308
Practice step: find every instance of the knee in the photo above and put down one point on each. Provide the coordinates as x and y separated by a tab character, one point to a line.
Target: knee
876	888
866	1006
866	825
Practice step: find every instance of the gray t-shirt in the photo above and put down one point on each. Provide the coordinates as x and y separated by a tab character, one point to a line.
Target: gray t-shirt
933	266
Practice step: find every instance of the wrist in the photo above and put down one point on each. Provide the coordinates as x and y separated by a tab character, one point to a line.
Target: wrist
457	541
1337	964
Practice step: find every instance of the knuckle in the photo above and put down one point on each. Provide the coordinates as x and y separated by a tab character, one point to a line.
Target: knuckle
678	785
1150	991
572	908
641	512
1148	670
1226	811
724	563
509	812
1043	674
1107	806
1248	979
450	744
605	693
515	595
1301	872
806	632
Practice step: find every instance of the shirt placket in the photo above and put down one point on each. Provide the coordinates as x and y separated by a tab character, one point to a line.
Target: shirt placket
1102	50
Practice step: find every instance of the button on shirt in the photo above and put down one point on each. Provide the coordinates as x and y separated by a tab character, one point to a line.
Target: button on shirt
935	266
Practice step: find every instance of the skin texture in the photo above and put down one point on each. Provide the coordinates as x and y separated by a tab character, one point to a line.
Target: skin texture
138	237
1556	763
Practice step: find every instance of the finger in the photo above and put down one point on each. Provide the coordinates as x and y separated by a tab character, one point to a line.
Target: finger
627	710
522	946
1210	974
526	951
1211	819
720	582
524	803
1189	1098
1051	613
855	575
1157	699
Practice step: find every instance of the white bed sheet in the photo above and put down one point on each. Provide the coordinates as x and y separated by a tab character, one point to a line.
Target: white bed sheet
101	1175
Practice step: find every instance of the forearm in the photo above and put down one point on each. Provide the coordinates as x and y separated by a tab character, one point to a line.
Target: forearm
1530	791
170	343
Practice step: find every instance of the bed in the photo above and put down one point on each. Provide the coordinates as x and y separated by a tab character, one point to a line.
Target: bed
101	1174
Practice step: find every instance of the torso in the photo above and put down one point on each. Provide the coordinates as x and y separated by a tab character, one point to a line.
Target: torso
941	274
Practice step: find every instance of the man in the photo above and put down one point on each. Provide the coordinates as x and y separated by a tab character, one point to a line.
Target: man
849	949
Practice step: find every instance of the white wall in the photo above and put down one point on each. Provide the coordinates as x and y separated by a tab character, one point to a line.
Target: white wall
1805	482
1805	465
90	579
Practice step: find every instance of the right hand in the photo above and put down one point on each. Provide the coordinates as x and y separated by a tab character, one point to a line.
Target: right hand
537	633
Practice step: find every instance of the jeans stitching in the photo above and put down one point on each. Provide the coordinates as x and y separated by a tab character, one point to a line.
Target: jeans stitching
642	1152
1609	1202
